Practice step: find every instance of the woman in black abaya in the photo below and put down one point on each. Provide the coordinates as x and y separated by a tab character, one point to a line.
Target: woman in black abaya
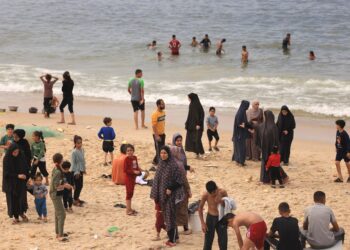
194	126
15	173
286	126
241	129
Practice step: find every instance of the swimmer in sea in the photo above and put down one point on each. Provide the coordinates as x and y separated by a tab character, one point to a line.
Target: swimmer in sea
245	55
312	56
286	42
152	45
194	42
219	47
205	43
159	56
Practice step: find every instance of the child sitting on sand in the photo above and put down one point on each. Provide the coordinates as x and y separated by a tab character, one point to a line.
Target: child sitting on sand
38	149
39	192
273	166
107	134
7	139
212	132
131	168
68	177
78	169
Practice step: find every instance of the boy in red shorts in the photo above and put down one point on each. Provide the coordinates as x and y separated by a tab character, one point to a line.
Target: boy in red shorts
131	168
256	229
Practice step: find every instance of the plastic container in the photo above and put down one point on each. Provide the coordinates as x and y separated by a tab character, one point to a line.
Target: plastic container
195	222
13	108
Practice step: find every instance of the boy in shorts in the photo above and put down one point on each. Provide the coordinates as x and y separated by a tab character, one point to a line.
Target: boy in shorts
342	147
212	132
107	134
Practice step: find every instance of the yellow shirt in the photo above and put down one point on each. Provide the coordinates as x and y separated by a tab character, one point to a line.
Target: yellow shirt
158	121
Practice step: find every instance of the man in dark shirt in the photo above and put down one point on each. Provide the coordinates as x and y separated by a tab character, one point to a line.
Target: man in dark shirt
342	146
286	42
205	43
288	231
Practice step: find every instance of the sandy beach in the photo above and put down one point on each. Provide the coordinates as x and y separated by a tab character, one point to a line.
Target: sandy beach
311	169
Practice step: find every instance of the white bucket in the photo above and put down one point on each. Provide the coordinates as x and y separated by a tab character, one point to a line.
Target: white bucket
195	222
338	246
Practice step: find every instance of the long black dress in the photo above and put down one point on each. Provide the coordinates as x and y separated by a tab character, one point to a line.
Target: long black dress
240	134
285	123
15	188
23	145
195	118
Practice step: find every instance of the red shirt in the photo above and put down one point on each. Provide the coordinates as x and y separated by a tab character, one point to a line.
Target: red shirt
131	165
273	161
174	45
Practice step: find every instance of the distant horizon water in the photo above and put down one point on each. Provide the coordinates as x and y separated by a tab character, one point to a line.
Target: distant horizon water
102	42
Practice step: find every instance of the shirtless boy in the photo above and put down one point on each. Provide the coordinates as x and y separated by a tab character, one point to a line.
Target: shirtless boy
245	54
256	230
213	197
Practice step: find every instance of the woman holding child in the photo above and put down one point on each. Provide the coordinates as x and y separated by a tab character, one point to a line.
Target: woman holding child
168	190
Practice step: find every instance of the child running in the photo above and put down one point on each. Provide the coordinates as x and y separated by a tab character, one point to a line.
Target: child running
38	149
342	146
107	134
78	169
212	124
39	192
56	192
131	169
68	177
274	166
7	139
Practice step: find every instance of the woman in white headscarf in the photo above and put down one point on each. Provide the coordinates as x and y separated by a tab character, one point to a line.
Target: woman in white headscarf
255	116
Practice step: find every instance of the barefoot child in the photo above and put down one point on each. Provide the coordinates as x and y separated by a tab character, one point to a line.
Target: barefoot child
7	139
107	134
68	177
274	166
131	169
256	230
39	192
78	169
212	124
38	149
56	192
159	221
213	196
342	146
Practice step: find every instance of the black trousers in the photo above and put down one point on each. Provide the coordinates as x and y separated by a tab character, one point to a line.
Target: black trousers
173	235
47	105
158	145
78	184
275	174
285	145
42	167
67	198
67	101
221	229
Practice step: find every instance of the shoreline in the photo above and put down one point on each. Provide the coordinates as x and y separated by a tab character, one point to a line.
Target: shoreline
309	127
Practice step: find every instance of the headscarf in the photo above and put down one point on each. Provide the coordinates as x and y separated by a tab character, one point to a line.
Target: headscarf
255	113
167	175
195	113
241	117
182	154
20	132
286	122
10	171
23	145
267	136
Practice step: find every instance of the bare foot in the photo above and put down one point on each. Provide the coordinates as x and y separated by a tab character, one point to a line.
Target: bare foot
71	123
45	219
144	126
60	122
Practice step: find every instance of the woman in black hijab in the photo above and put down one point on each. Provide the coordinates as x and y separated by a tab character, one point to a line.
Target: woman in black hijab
67	90
241	129
15	174
23	144
286	126
194	126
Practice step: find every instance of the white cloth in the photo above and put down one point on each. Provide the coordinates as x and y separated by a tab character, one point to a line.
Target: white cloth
230	205
139	179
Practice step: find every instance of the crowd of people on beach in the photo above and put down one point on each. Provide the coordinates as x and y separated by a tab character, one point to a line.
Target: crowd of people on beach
205	46
256	137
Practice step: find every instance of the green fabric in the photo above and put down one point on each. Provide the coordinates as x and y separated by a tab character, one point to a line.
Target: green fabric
38	150
140	80
5	139
60	214
56	180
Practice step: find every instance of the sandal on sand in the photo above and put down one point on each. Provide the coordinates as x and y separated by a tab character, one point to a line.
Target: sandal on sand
24	218
338	180
120	205
132	213
64	239
15	222
170	244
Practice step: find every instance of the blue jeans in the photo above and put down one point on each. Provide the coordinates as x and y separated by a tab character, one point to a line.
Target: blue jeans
40	205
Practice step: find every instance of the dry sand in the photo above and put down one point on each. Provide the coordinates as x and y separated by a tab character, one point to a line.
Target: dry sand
311	169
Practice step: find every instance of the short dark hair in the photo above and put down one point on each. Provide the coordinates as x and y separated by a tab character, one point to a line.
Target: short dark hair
57	158
212	109
244	47
48	77
138	71
319	196
77	138
194	37
38	175
10	126
211	186
107	120
275	149
66	165
288	34
174	36
123	148
340	123
130	146
283	207
159	101
223	40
